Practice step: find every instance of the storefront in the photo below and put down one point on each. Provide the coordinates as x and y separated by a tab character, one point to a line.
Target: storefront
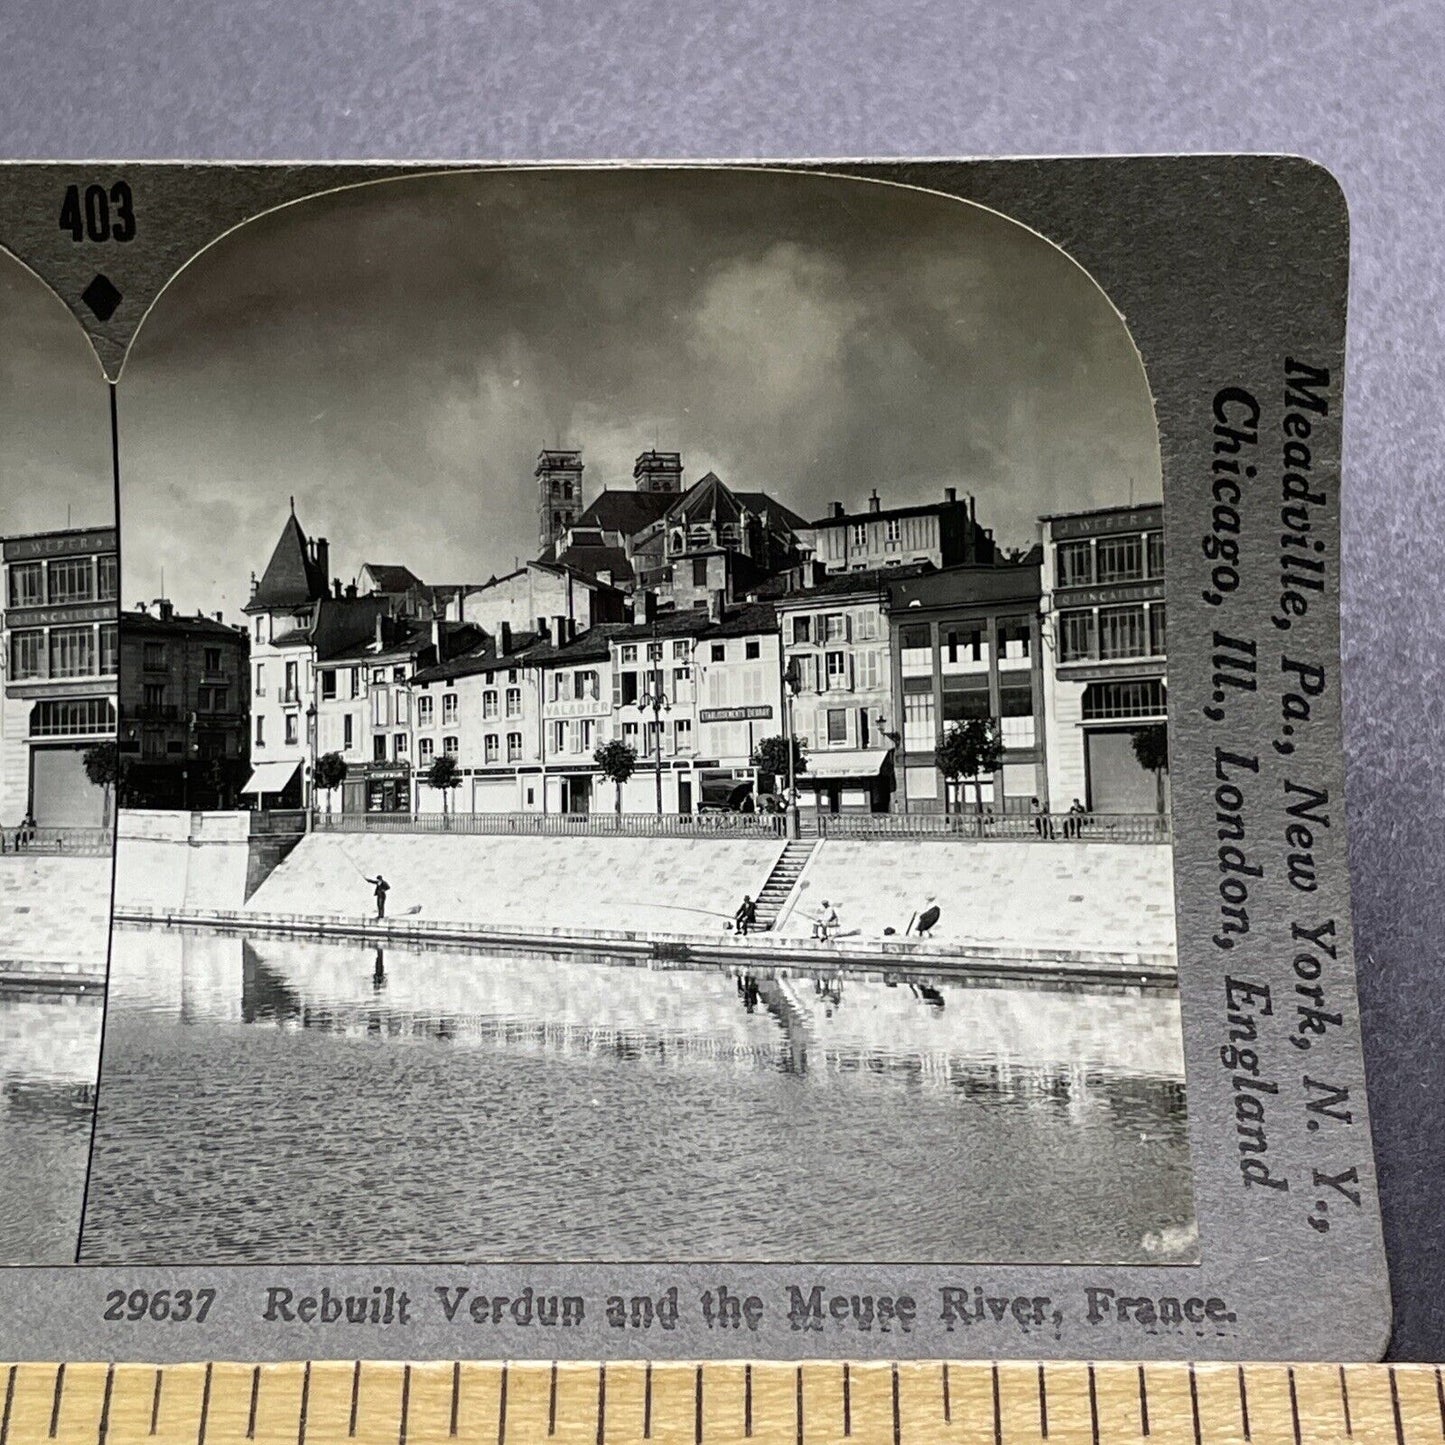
275	786
849	780
388	787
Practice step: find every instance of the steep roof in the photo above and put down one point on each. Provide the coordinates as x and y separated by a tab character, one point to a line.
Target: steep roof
392	576
710	496
291	578
615	510
589	561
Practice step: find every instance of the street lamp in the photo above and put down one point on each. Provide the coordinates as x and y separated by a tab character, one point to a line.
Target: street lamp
656	702
792	682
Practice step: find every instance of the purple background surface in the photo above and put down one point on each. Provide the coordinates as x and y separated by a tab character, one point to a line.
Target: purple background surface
1352	86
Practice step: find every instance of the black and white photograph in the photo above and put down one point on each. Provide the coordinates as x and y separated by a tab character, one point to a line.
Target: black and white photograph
58	656
642	735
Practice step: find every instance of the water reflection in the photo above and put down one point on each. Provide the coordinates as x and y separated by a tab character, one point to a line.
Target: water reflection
273	1098
49	1048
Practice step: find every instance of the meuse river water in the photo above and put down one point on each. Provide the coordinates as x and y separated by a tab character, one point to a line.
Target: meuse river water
49	1049
279	1099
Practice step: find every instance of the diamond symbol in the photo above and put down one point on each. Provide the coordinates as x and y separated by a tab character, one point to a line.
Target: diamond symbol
102	297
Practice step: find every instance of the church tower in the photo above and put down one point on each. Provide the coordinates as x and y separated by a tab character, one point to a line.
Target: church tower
658	472
559	493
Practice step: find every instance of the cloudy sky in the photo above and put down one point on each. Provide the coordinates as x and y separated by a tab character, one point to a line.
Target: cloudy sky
395	356
54	414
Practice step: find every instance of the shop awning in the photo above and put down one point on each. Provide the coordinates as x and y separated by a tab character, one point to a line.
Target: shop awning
844	763
271	777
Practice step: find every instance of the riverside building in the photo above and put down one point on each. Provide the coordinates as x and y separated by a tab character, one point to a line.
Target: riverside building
1105	639
184	706
296	622
60	596
836	648
966	644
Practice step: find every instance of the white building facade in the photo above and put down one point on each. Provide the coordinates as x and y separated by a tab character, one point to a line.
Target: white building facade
1105	644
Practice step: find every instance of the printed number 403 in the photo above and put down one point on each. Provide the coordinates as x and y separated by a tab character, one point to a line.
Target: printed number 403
177	1305
98	214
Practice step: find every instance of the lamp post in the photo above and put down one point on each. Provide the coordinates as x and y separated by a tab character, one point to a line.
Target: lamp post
792	681
656	702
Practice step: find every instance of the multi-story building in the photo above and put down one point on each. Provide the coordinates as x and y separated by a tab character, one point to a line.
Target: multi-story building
184	706
60	597
1104	633
367	714
966	644
945	533
296	622
482	706
836	649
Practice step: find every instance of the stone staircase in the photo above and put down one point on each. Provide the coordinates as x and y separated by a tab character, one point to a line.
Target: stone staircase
781	881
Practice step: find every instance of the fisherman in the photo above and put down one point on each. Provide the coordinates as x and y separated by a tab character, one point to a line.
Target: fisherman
747	915
826	922
382	889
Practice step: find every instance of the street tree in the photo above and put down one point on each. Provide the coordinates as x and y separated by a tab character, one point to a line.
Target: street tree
770	758
969	749
1151	749
330	774
444	775
102	767
616	760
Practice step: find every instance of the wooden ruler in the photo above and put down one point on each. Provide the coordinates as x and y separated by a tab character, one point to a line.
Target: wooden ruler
772	1404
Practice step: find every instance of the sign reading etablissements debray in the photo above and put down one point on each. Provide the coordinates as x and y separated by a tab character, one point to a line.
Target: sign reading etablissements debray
1044	1044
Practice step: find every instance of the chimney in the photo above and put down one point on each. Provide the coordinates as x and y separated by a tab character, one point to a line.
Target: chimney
873	502
255	584
336	588
644	605
504	638
164	610
323	557
218	617
835	509
351	591
715	604
950	495
973	510
142	609
380	640
439	638
559	630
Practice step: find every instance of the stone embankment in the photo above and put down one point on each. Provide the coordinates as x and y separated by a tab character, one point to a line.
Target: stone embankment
54	921
1092	910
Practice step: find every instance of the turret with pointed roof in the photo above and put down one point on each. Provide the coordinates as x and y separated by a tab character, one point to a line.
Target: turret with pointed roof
296	573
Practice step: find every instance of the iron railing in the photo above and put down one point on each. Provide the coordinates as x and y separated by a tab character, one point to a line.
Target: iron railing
1018	827
17	839
569	825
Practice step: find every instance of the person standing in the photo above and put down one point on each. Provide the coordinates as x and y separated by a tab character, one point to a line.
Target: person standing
382	888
